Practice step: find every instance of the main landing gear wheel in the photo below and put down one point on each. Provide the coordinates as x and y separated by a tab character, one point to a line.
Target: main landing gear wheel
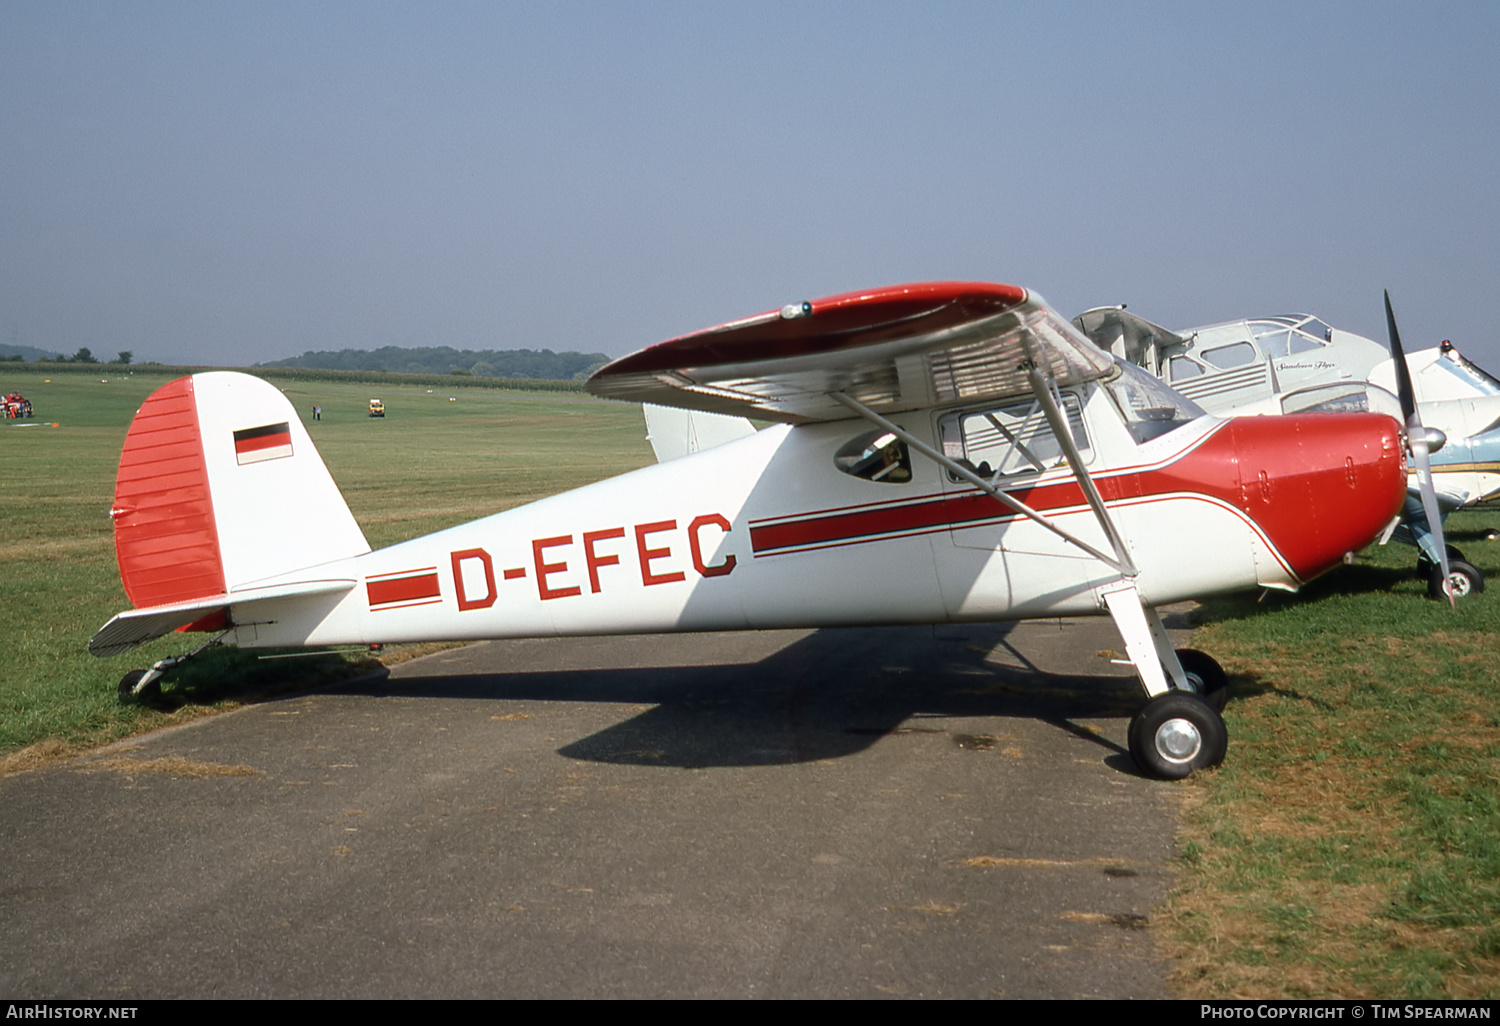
1175	734
1463	579
132	690
1425	566
1208	678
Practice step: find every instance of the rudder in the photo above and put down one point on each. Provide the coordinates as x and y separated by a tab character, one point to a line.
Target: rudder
221	486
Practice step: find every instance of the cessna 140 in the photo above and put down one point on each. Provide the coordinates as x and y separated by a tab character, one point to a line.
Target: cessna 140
942	452
1299	364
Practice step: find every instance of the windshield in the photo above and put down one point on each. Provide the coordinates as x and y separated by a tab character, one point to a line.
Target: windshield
1150	407
1291	334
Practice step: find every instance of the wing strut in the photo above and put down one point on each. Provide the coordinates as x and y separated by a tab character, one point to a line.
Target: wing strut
1124	566
1064	433
1146	641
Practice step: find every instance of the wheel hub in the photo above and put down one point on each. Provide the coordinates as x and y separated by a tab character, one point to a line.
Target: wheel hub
1178	740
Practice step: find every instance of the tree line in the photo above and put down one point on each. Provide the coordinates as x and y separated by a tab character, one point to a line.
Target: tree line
84	355
530	364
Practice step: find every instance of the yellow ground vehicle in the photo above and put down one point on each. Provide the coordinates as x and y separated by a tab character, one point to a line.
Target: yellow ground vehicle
377	408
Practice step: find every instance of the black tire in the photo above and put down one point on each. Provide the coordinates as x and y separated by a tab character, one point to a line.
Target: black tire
1210	681
1175	734
128	692
1465	577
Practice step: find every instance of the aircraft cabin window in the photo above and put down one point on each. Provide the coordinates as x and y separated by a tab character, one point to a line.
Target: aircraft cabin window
1289	343
875	456
1181	368
1305	343
1276	343
1341	397
1011	439
1236	354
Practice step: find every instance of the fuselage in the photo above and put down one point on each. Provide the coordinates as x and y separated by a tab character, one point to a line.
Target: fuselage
768	531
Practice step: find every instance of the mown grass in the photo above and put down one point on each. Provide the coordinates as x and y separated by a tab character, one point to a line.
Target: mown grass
429	464
1350	844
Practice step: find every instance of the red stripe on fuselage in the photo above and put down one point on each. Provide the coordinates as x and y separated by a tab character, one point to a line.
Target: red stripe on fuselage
1330	483
402	589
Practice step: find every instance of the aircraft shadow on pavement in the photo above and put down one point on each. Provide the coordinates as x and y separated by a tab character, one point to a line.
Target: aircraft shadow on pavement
832	693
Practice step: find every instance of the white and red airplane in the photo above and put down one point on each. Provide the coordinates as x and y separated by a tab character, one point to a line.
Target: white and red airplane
1297	363
941	452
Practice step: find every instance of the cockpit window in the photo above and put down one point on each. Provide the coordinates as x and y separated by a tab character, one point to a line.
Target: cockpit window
1150	407
1014	438
1317	329
1290	334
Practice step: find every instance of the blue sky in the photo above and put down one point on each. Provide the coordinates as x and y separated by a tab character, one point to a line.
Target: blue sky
229	182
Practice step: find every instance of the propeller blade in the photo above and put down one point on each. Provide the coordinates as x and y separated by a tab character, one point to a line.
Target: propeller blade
1416	440
1404	390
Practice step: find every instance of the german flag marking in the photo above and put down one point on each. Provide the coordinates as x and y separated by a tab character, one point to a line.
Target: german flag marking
256	445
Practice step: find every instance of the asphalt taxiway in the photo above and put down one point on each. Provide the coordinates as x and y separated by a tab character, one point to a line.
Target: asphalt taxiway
906	812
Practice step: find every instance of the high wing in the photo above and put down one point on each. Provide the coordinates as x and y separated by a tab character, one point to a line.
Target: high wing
900	348
1129	337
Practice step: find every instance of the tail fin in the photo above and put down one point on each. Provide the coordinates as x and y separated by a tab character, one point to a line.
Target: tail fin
219	487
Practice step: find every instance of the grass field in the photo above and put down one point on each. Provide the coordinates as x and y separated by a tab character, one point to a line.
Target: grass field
429	464
1350	845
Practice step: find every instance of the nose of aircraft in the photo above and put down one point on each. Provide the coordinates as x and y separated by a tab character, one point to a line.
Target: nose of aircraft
1319	485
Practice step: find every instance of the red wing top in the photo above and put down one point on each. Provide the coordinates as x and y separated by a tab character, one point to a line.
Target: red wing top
899	348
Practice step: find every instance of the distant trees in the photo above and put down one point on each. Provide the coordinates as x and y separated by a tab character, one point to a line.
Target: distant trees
83	355
536	364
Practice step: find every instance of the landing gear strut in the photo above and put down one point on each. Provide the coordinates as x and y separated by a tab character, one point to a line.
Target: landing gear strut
1179	729
145	685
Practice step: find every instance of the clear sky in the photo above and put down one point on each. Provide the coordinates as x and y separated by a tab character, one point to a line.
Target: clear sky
232	182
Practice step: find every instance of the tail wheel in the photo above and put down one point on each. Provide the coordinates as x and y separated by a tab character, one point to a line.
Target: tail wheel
1208	678
131	691
1175	734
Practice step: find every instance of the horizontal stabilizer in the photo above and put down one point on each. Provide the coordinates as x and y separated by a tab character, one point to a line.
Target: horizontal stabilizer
138	626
